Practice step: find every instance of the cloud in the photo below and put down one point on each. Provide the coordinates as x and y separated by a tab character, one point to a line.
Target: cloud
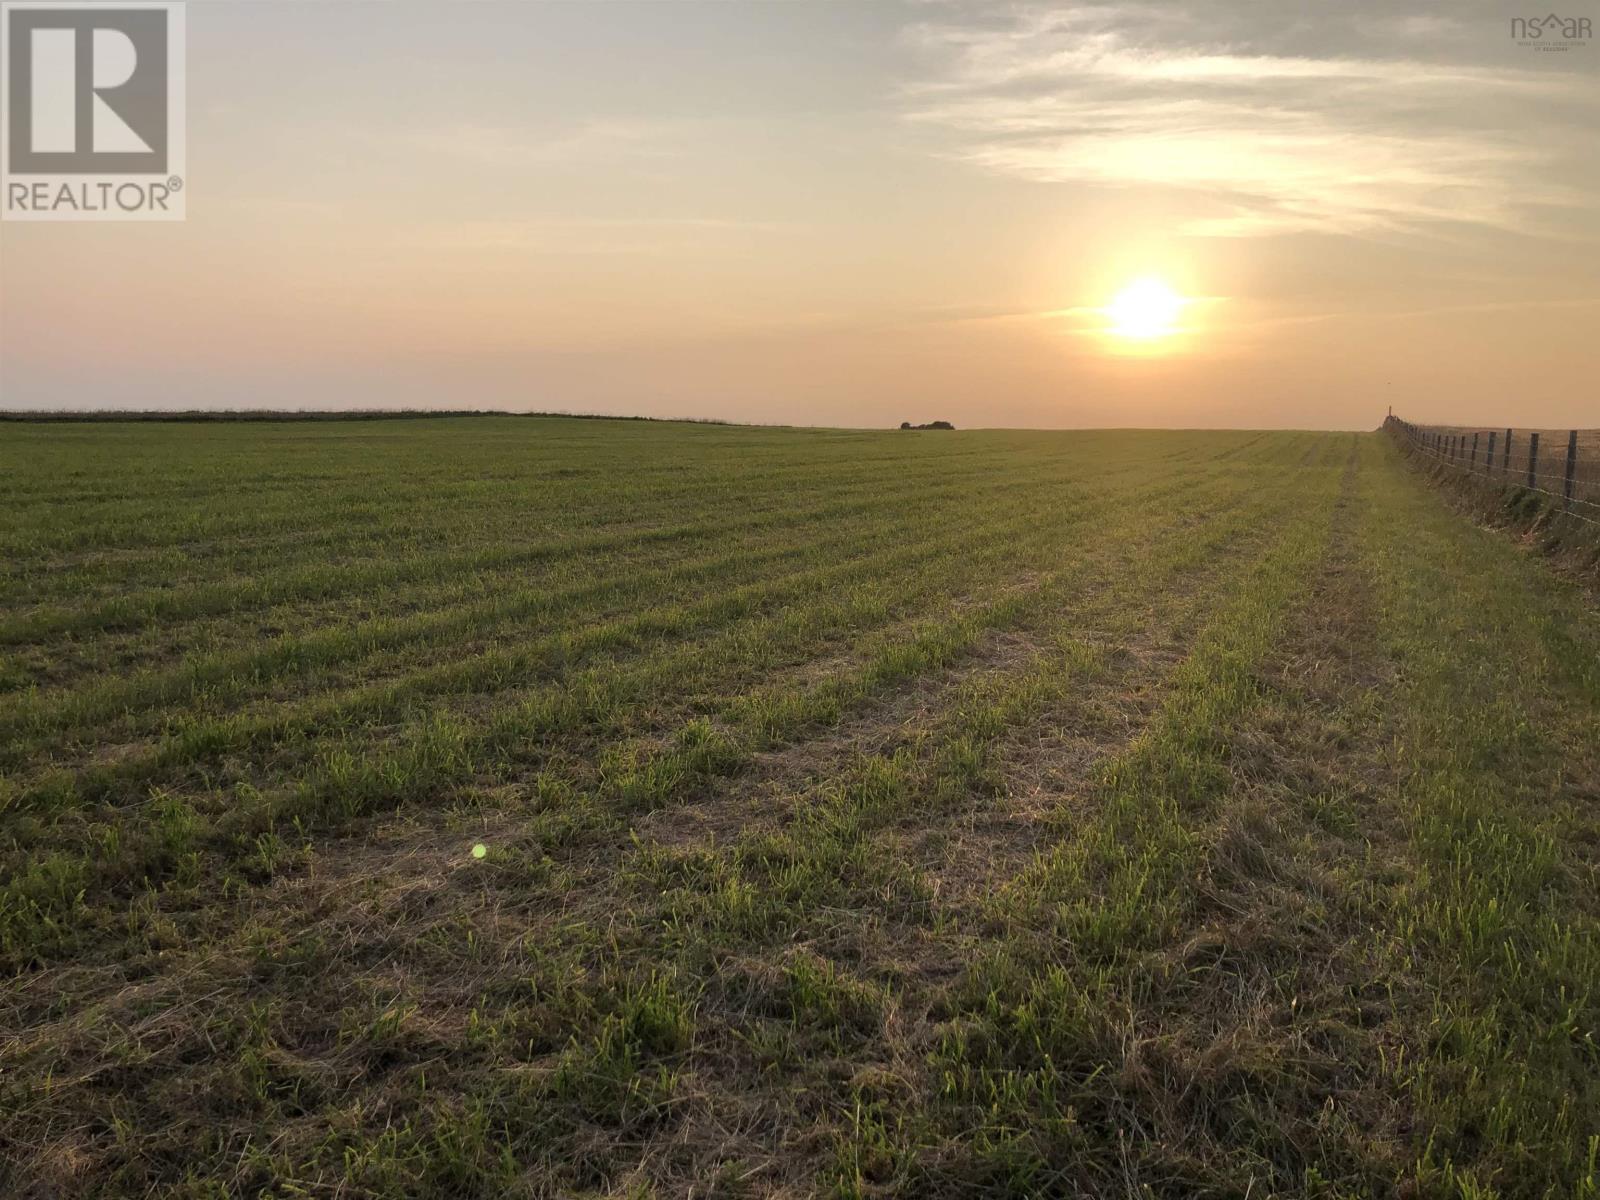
1364	123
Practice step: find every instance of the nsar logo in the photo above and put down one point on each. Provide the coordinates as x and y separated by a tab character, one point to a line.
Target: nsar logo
1551	32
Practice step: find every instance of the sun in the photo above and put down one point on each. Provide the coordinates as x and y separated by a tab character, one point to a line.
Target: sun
1147	308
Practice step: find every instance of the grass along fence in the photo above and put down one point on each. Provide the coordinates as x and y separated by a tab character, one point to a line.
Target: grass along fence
1563	465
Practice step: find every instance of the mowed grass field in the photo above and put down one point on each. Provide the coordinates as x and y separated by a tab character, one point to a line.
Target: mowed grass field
866	814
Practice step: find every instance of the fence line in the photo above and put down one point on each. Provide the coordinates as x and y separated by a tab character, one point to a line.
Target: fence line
1567	471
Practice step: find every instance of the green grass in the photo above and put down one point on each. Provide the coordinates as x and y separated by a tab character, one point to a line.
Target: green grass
868	814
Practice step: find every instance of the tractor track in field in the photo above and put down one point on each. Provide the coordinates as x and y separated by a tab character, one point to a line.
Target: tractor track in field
1279	978
1276	981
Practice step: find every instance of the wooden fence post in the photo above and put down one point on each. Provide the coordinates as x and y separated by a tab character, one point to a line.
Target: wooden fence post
1472	463
1572	466
1488	458
1533	459
1505	463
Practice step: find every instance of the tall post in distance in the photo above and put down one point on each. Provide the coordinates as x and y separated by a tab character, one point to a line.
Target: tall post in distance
1533	459
1572	467
1488	457
1505	463
1472	463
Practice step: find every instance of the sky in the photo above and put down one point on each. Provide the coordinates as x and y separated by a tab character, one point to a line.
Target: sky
849	214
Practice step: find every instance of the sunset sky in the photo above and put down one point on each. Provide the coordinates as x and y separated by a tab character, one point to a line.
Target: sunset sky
849	214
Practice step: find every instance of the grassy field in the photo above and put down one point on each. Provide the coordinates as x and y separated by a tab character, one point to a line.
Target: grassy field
865	814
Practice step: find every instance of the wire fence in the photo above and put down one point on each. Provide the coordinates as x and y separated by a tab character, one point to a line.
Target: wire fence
1563	464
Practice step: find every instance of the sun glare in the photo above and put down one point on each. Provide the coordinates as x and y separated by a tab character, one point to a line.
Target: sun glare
1146	308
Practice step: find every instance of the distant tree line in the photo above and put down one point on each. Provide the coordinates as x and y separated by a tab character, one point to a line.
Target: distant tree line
929	425
353	414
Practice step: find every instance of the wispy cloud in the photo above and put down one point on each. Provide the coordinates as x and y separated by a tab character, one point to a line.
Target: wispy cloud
1394	127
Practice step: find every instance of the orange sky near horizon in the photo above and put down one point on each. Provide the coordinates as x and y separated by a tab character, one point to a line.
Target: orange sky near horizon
847	215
